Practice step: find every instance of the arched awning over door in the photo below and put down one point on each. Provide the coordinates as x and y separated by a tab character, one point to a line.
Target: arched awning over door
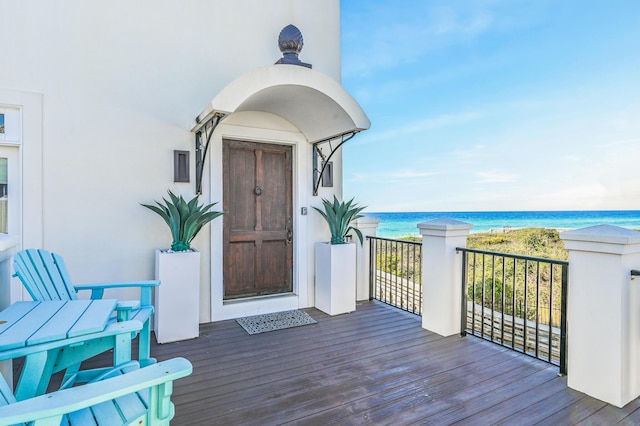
310	100
313	102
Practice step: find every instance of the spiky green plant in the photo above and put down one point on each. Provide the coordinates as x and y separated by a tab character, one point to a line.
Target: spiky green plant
339	216
185	219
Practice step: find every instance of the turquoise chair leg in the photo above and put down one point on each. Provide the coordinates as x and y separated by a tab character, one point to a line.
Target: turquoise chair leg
144	345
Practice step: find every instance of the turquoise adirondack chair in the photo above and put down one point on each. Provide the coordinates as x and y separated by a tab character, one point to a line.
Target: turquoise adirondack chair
126	395
45	277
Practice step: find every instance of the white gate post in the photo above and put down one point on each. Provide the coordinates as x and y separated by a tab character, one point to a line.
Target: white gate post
442	274
368	226
603	313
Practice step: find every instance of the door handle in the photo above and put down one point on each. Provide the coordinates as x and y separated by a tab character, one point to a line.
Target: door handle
289	229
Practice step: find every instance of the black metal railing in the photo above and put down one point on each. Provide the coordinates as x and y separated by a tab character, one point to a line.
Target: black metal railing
519	302
396	273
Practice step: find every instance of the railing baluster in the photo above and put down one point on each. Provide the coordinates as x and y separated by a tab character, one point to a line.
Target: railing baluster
405	278
537	309
513	306
551	277
419	279
504	293
393	270
493	294
526	305
387	276
473	296
372	268
563	319
465	293
415	281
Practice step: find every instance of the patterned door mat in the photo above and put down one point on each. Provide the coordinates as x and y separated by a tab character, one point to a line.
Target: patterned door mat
276	321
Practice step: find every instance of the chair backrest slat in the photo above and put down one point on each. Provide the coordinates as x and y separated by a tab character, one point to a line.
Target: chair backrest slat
64	275
42	275
27	274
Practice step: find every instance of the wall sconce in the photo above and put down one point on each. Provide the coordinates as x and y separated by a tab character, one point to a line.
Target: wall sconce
327	175
180	166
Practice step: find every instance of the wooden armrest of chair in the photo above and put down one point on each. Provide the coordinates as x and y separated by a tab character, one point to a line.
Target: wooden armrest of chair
48	409
97	289
144	283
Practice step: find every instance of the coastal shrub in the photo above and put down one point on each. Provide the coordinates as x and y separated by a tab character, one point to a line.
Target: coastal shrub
520	281
389	262
400	263
536	242
488	239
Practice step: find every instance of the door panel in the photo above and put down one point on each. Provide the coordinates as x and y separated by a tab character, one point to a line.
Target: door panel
274	215
236	279
275	275
258	254
242	172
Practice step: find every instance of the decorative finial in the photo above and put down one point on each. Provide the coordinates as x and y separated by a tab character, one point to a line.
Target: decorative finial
290	43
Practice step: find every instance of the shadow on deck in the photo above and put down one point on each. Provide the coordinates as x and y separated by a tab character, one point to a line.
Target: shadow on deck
376	365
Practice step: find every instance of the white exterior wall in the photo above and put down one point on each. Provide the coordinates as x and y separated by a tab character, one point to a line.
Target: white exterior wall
121	83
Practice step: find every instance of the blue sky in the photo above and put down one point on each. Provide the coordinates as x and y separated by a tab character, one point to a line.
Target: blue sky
493	105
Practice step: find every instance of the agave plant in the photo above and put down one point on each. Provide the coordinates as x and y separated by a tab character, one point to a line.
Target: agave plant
185	219
339	216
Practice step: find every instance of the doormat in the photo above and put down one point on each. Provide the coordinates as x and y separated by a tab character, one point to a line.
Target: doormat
276	321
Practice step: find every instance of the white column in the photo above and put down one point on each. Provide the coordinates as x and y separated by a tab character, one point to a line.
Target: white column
8	244
368	226
442	274
603	311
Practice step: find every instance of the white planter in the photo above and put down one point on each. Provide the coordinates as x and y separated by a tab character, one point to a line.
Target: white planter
336	278
177	298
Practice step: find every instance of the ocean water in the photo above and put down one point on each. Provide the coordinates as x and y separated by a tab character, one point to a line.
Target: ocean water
395	225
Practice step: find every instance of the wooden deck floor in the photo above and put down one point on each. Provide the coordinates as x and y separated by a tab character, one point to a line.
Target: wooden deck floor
374	366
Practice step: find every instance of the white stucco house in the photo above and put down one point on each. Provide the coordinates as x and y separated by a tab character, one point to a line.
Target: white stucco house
98	99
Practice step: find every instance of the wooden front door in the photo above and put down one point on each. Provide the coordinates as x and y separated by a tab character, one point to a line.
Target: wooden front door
258	225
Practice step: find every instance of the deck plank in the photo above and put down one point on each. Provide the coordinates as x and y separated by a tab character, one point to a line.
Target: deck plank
374	366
